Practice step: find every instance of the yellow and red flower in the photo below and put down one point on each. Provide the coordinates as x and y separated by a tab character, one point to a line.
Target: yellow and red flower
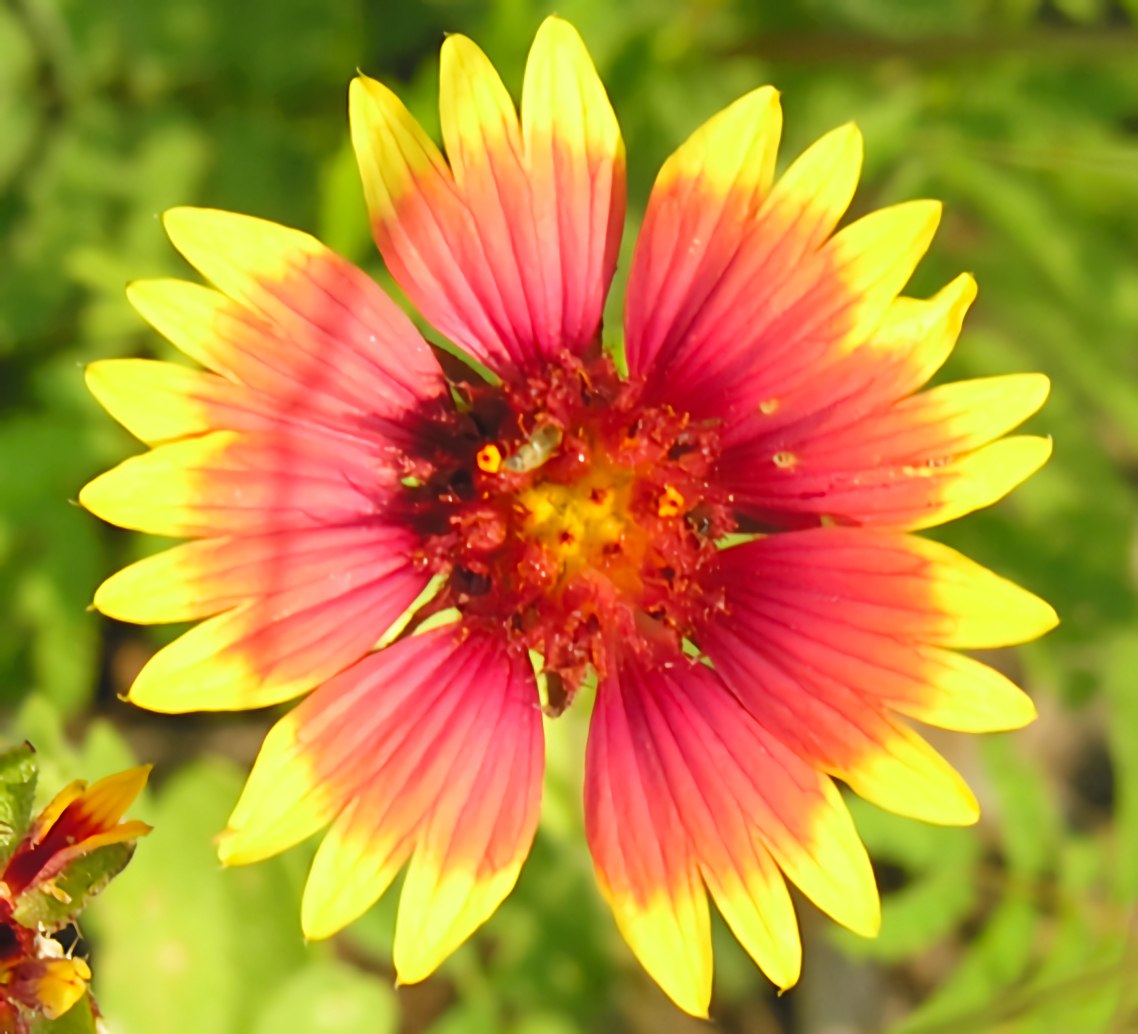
334	480
65	857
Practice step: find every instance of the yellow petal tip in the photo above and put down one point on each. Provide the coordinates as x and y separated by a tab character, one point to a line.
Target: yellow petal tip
318	925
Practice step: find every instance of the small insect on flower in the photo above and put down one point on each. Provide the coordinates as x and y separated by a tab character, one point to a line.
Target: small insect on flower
50	867
397	543
535	451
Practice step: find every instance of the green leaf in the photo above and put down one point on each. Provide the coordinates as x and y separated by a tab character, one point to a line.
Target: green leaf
941	865
38	721
208	944
57	903
1029	820
995	960
165	931
469	1017
1122	730
330	998
374	931
344	224
105	751
18	772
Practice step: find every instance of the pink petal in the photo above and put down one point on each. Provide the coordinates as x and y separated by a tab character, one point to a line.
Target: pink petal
430	750
827	631
509	251
682	782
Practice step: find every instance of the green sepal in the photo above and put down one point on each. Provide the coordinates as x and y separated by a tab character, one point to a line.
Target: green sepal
55	904
18	772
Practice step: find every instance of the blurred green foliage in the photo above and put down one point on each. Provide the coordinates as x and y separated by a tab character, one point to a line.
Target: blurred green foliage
1021	115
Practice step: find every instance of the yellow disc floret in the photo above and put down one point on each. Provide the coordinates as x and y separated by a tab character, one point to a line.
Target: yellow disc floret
671	502
585	523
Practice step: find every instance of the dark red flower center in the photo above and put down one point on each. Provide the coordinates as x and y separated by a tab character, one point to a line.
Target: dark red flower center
568	515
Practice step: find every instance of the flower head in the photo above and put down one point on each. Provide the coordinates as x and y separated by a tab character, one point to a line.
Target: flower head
51	867
399	539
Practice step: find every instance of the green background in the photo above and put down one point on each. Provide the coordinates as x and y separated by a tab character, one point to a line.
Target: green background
1021	115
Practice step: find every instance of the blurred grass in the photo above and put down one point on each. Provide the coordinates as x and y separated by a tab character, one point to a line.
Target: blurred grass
1021	115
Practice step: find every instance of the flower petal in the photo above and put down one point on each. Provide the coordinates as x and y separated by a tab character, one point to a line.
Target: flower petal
813	313
646	864
286	798
430	750
913	464
48	987
305	374
830	628
948	420
575	157
742	802
327	610
75	822
508	252
764	279
159	402
102	804
301	308
198	579
981	478
698	217
735	291
914	339
226	482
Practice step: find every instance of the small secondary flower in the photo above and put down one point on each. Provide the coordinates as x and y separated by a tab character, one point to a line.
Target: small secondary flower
52	866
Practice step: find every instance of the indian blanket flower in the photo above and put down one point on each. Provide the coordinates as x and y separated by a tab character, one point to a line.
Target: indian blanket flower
51	867
335	477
